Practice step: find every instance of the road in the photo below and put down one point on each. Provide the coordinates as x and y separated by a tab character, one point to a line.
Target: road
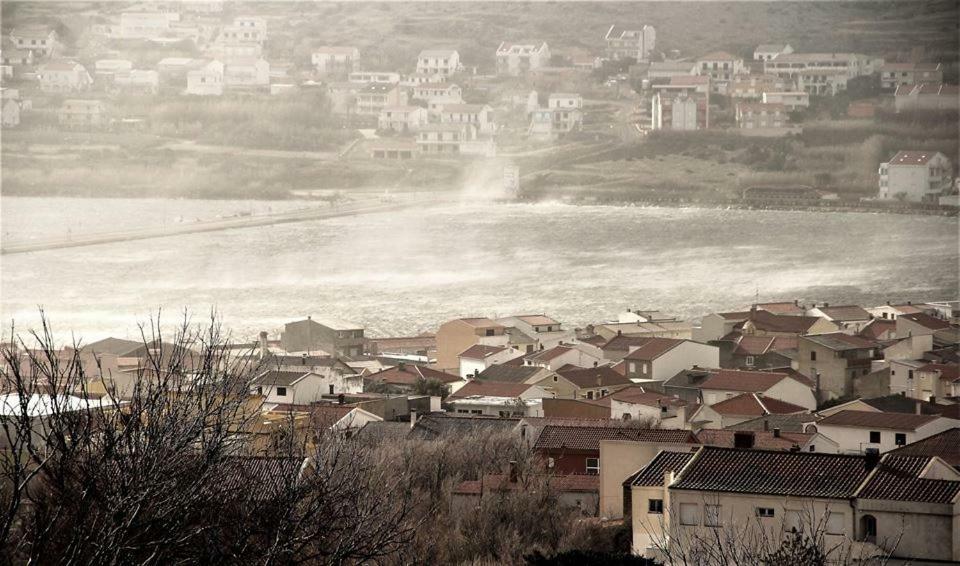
349	209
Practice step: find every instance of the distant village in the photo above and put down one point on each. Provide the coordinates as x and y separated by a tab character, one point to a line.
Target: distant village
431	109
765	413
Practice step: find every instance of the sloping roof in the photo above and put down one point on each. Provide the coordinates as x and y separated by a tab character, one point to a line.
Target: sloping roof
896	478
653	348
870	419
433	427
793	422
638	396
651	475
719	56
948	372
509	373
111	345
926	321
764	472
902	404
742	380
485	388
688	80
557	437
480	351
762	439
547	355
325	416
912	157
437	52
945	445
841	342
623	342
751	404
603	376
771	322
877	327
846	312
264	476
279	378
536	319
410	374
480	322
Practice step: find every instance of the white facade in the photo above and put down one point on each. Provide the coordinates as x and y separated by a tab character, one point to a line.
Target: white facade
791	100
684	356
915	176
472	366
311	388
207	80
517	59
442	62
335	59
856	440
146	25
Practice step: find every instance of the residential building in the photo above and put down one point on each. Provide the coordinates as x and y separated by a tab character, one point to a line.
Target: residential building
562	355
722	68
405	378
926	97
710	386
402	119
515	59
455	336
791	100
859	432
576	491
303	387
759	322
493	398
850	318
740	408
635	403
227	50
895	75
739	351
63	76
659	359
441	62
663	71
13	56
393	149
681	104
515	373
479	357
138	81
452	139
584	383
833	360
820	73
770	51
915	176
562	115
936	381
437	95
753	87
146	25
479	116
920	324
206	79
542	330
76	113
649	328
859	505
336	338
943	445
575	448
374	97
761	116
382	77
246	73
637	44
245	28
42	41
335	60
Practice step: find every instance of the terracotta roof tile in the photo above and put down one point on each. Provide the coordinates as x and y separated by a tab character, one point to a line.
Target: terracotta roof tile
870	419
603	376
554	437
751	404
896	478
410	374
653	349
762	439
945	445
480	351
651	475
484	388
742	380
926	321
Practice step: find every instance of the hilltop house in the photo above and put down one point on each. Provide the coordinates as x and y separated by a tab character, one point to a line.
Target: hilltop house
329	60
42	41
206	79
438	62
895	75
915	176
624	43
722	68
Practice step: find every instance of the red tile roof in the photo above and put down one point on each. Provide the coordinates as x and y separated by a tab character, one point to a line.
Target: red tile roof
945	445
588	437
846	312
483	388
603	376
948	372
877	328
841	342
896	478
653	348
762	439
547	355
651	475
480	351
780	473
753	405
410	374
638	396
926	321
871	419
742	380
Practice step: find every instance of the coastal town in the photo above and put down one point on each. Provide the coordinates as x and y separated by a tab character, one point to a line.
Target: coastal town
600	121
764	413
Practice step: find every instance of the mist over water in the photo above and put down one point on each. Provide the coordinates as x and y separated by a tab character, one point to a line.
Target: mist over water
407	271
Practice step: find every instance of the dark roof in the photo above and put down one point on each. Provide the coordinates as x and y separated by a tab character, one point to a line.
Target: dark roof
558	437
280	378
637	395
434	427
927	321
751	404
653	348
111	345
622	343
846	313
870	419
841	342
480	351
651	475
896	478
386	431
948	372
742	380
486	388
945	445
589	377
510	373
762	440
771	322
902	404
877	328
265	476
786	423
410	374
765	472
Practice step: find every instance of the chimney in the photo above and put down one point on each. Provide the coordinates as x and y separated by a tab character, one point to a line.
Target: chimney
264	350
340	399
870	460
825	305
743	439
402	366
595	364
308	317
776	433
413	418
909	302
513	471
766	425
619	332
796	302
917	408
303	359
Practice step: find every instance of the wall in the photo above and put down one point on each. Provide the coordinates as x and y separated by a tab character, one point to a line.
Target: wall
685	356
915	530
620	459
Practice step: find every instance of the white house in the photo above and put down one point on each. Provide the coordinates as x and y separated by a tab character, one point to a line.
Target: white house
402	118
63	76
40	40
544	330
791	100
660	359
479	357
724	384
862	431
769	51
442	62
516	59
246	73
206	80
304	387
335	59
493	398
478	115
722	68
561	355
915	176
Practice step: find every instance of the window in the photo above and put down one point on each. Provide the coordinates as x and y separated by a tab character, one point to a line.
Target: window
765	512
749	361
655	506
792	521
555	378
813	356
589	394
627	416
900	439
490	332
632	367
711	515
593	465
835	523
689	514
874	437
331	389
281	391
868	528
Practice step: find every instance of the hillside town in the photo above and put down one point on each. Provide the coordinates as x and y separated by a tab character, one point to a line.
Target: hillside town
157	67
768	412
